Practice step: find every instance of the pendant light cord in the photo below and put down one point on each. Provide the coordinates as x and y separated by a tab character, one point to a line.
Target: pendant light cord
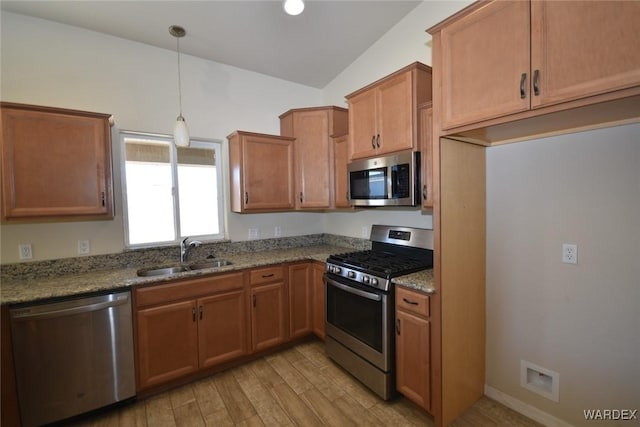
179	77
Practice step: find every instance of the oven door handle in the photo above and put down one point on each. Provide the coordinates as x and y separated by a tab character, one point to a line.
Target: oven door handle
368	295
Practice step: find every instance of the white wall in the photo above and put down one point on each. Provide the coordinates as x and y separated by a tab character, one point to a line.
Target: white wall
46	63
581	320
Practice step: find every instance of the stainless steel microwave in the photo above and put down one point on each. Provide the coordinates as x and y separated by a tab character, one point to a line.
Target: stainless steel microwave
391	180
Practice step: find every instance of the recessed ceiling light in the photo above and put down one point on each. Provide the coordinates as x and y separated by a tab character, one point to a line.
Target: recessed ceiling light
293	7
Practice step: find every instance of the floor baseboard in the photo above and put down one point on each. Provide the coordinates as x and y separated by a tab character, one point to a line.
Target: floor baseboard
524	408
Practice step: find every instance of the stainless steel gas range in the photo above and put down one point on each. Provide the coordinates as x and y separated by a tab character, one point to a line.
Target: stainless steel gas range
360	302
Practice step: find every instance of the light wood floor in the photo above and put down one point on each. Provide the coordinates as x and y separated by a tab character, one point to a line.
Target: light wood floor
299	386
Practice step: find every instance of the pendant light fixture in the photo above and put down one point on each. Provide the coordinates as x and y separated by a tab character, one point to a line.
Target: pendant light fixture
293	7
180	130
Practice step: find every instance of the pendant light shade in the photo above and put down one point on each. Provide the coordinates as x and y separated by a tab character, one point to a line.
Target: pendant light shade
293	7
180	130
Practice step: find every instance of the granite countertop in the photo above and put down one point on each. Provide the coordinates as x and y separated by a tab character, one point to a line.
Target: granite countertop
20	291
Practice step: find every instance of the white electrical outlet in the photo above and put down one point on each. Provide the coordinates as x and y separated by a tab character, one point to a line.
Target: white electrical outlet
25	251
84	247
364	231
569	253
277	232
254	233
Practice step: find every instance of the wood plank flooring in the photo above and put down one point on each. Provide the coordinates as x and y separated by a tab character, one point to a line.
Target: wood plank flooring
300	386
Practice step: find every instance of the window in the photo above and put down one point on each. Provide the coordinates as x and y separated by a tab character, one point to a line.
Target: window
171	192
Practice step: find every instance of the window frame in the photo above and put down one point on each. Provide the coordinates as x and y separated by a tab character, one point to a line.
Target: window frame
210	144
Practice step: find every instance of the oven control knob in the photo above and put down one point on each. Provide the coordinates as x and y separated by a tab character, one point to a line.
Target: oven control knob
351	274
365	279
337	270
374	281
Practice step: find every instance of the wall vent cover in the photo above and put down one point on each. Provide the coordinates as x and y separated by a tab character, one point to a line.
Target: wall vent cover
542	381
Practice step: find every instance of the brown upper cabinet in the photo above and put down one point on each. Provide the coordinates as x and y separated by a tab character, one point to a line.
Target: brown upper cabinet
340	177
425	116
56	164
383	116
501	58
262	173
313	129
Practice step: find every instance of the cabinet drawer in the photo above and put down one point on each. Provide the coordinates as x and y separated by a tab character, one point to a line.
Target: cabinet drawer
412	301
266	275
191	288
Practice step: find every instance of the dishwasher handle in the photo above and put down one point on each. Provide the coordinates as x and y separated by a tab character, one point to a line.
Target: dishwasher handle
29	315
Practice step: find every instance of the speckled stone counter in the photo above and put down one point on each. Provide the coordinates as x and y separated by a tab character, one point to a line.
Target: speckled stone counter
20	290
421	281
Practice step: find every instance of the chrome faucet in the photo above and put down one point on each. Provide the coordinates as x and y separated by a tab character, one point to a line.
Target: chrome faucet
184	248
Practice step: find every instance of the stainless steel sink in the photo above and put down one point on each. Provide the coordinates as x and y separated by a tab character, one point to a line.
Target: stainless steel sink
210	264
163	271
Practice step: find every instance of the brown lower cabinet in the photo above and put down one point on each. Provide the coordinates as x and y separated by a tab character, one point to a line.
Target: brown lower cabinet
268	309
413	346
319	303
188	325
300	300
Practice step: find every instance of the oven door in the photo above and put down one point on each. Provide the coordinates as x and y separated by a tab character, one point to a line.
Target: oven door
359	319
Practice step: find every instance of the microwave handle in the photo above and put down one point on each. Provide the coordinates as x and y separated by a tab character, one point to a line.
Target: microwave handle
394	183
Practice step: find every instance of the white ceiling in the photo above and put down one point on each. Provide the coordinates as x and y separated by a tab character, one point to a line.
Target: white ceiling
310	49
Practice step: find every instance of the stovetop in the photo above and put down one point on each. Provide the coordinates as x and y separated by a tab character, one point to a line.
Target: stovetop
382	264
396	251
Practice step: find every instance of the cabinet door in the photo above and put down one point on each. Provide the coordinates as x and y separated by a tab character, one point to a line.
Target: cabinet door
167	342
484	57
425	116
267	171
340	176
395	114
583	48
222	328
319	303
412	358
362	124
300	299
55	164
267	316
311	130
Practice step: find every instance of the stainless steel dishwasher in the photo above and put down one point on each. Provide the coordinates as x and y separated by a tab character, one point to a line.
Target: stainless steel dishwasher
72	356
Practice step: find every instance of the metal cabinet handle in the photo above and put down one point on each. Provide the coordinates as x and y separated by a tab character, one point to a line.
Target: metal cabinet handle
373	142
378	141
201	312
424	192
104	201
409	302
246	197
264	276
536	82
301	197
523	80
193	313
255	300
398	326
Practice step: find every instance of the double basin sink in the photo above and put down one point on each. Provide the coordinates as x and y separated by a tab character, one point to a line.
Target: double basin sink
164	271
